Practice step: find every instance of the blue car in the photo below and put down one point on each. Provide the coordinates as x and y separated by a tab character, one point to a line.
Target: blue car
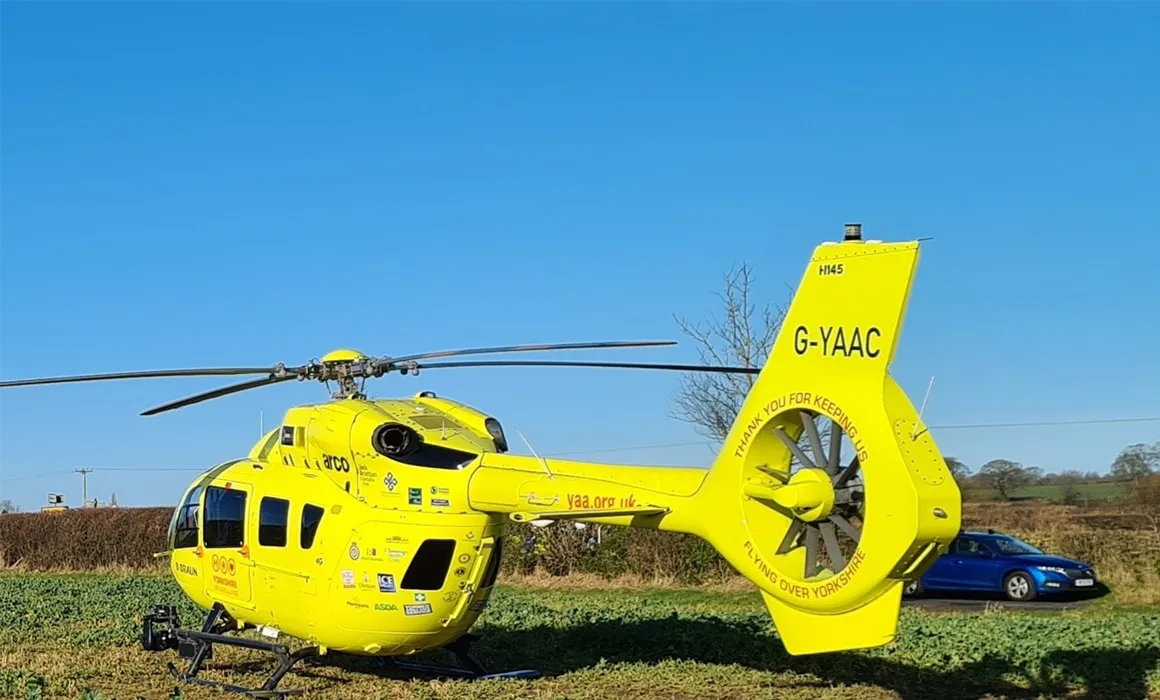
993	562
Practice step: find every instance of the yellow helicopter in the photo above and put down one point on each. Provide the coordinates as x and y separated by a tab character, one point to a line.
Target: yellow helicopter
375	527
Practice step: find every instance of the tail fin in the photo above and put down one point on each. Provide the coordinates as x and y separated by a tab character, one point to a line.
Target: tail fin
829	529
830	526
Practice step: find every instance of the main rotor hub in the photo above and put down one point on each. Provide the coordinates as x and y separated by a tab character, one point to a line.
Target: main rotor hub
342	356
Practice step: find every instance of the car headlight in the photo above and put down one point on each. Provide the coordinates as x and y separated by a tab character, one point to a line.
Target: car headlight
1055	569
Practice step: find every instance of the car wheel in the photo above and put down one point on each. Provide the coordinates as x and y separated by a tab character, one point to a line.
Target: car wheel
912	588
1018	586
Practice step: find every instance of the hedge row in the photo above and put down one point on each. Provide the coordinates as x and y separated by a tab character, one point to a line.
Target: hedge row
100	538
83	539
128	537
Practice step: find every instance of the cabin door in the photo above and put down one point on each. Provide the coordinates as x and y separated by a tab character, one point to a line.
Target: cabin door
227	563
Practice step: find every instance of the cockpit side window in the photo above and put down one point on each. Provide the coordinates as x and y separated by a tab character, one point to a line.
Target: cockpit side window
184	534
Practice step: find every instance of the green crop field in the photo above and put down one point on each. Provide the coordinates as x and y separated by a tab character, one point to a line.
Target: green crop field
76	635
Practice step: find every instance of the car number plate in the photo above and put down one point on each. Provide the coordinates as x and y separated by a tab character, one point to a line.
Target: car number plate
1083	582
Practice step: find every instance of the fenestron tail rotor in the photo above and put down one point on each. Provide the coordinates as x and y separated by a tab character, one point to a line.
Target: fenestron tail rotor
347	366
829	537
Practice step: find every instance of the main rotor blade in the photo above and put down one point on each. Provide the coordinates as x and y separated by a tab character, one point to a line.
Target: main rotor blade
529	348
204	372
617	365
217	393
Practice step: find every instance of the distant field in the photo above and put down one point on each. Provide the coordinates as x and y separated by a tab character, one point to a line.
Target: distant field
76	635
1092	492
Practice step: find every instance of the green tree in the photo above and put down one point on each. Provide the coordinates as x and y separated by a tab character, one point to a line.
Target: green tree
1005	476
1137	461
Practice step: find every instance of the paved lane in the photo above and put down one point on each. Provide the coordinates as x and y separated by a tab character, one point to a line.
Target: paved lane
980	604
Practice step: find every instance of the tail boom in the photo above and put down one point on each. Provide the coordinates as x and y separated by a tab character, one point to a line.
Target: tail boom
829	526
528	488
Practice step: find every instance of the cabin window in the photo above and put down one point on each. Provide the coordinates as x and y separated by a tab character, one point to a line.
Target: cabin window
311	517
225	517
273	520
429	568
185	530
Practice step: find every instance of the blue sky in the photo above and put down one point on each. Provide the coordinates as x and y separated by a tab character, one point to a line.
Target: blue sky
203	184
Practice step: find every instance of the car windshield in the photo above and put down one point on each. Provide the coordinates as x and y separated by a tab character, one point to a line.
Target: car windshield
1011	545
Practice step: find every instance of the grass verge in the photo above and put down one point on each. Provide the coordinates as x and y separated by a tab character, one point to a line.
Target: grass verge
62	635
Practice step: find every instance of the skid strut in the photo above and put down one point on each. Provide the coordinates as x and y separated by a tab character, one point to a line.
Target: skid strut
461	650
198	648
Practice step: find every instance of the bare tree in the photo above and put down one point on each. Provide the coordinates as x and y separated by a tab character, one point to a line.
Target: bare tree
742	338
9	506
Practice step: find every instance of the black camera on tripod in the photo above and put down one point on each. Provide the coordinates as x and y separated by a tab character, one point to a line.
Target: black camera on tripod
164	617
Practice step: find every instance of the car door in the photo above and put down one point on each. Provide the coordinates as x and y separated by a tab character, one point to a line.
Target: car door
965	566
992	566
942	573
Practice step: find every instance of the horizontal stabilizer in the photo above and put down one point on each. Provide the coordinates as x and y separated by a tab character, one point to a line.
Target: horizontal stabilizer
804	632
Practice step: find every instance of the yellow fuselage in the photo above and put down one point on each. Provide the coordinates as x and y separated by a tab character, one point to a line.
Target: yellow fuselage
397	561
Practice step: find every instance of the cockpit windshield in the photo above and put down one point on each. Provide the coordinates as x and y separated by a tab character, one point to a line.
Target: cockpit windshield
183	529
1012	545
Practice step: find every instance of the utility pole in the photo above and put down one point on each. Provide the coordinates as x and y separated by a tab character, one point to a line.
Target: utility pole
84	485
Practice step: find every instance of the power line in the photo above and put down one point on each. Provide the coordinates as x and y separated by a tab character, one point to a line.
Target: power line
631	448
103	469
1041	423
152	469
965	426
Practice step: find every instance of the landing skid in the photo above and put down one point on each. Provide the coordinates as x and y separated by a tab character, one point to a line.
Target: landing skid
461	650
198	648
161	630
